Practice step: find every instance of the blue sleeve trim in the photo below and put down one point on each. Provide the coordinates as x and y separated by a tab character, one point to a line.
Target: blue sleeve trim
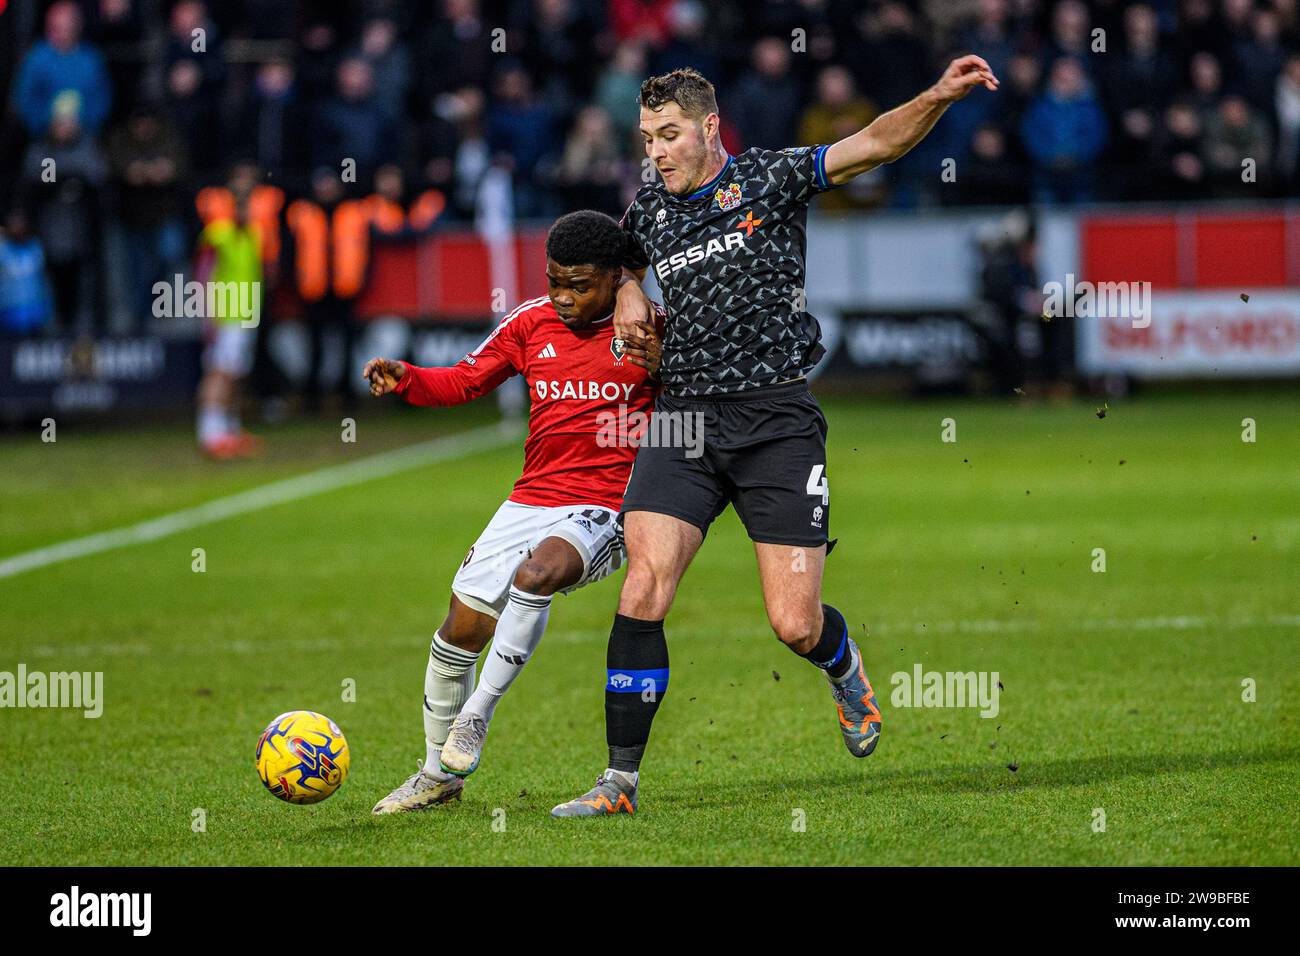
819	164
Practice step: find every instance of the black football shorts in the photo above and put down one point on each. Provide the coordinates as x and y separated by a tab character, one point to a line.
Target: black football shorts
763	451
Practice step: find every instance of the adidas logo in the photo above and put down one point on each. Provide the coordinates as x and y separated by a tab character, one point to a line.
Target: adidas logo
548	352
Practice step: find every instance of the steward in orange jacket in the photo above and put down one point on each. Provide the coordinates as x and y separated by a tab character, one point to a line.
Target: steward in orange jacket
215	203
330	253
391	216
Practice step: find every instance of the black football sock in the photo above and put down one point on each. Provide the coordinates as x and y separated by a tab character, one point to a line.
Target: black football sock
831	652
637	677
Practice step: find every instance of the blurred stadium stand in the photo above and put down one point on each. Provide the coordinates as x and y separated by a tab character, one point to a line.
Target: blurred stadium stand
1119	132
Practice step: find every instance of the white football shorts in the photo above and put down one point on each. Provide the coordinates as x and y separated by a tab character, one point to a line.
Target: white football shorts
484	579
230	350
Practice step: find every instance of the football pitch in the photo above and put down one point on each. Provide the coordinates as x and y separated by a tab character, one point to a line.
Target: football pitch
1147	713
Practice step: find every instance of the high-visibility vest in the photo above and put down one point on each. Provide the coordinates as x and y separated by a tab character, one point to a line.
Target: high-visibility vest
215	203
237	263
388	216
331	252
428	207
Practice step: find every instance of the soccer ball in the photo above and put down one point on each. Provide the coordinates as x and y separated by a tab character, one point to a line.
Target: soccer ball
302	757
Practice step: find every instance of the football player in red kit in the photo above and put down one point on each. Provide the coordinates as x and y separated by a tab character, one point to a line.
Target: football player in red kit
558	530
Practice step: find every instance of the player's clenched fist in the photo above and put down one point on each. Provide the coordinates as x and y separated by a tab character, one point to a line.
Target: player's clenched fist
383	375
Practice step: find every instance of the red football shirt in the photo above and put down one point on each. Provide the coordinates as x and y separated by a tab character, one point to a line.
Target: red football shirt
584	398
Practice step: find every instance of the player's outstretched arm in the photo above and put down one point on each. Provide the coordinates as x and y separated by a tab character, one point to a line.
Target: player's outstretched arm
892	134
383	375
473	377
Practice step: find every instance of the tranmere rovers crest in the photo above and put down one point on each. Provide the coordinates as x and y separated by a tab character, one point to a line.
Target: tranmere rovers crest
728	198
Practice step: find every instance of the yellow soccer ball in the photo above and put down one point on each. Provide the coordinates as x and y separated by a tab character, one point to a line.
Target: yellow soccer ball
302	757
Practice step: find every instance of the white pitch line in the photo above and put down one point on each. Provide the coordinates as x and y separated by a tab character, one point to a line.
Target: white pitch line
277	492
592	636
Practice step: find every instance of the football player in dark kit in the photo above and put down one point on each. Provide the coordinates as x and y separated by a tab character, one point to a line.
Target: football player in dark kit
725	236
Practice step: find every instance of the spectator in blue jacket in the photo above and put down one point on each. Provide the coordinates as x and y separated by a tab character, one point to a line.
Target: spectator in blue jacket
25	302
1064	131
352	125
62	69
767	101
521	134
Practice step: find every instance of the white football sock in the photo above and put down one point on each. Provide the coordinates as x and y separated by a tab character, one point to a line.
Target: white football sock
518	633
211	423
447	682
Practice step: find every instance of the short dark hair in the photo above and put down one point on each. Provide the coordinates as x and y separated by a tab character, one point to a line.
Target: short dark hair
686	87
587	237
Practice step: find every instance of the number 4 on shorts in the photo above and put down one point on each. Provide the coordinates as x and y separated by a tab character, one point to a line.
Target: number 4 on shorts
818	485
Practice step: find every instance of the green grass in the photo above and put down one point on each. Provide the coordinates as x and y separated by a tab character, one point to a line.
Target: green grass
1122	690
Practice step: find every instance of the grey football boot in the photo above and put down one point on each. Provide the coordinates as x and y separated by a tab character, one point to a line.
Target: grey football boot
855	704
611	794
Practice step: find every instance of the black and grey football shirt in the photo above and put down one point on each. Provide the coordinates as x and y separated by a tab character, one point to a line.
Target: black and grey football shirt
729	259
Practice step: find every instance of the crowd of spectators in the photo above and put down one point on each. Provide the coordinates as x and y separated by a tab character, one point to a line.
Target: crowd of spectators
139	103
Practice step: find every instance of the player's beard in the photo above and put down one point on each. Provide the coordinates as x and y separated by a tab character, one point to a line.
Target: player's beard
697	167
692	167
